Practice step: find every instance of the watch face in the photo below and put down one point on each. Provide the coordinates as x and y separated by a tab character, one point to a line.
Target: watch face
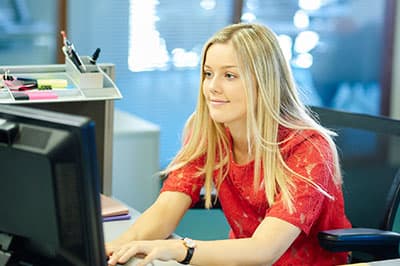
189	242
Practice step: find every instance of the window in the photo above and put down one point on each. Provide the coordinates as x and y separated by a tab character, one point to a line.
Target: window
335	48
165	42
27	34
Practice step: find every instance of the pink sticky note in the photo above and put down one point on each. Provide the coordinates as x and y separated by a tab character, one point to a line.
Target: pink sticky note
41	95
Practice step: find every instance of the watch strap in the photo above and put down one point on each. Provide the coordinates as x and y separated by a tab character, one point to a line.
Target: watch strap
189	255
189	244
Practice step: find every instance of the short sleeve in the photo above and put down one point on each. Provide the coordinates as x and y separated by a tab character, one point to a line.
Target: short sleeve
186	180
311	158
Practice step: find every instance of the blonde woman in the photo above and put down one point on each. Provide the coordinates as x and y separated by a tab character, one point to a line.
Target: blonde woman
275	169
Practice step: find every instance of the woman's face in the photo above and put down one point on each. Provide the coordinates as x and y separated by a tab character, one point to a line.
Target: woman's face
223	87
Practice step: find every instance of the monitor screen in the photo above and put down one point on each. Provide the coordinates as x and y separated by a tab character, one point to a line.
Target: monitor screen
49	189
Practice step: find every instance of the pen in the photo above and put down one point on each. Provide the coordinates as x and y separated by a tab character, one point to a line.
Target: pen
72	54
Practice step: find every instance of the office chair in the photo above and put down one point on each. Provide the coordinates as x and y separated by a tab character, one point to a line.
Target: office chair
369	149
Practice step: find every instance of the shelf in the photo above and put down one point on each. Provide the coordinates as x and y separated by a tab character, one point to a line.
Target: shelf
94	85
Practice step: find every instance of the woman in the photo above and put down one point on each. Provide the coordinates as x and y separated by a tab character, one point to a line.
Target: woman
275	169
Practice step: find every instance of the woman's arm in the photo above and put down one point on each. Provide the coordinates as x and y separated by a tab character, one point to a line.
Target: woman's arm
268	243
271	239
157	222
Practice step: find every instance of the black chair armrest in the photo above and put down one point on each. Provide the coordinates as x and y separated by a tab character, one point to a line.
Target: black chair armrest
379	243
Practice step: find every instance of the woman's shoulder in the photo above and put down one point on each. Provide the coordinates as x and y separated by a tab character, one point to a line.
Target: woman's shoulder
291	139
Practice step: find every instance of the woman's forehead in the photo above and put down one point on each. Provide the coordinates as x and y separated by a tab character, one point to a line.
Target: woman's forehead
221	54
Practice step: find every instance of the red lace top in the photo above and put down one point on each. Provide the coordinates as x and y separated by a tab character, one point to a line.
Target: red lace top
306	153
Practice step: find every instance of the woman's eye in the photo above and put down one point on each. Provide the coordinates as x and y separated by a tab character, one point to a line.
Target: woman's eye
230	75
207	74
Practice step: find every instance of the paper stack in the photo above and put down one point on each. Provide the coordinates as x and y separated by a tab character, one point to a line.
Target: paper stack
112	209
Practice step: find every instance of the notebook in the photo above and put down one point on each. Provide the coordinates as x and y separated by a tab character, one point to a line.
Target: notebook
112	209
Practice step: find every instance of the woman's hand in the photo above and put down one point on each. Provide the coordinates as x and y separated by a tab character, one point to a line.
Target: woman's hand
172	249
112	246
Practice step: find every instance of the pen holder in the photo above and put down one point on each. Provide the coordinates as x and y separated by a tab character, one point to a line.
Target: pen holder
92	78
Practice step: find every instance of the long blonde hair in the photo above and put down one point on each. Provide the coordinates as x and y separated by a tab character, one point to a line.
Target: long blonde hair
262	66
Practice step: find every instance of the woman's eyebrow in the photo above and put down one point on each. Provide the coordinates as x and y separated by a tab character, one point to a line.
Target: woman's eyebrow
227	66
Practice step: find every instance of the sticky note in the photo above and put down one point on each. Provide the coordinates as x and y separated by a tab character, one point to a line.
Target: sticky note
41	95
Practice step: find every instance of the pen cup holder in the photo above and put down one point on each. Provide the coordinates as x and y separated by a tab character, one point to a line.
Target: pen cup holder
92	78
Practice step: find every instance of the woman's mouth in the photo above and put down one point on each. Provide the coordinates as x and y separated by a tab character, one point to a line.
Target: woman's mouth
218	101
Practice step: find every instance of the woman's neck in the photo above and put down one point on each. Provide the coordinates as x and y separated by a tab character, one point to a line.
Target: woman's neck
240	147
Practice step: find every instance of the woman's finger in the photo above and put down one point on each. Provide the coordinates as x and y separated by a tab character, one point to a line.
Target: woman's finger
117	254
109	249
153	255
132	251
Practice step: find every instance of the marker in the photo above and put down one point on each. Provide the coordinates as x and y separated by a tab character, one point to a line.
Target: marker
94	57
20	96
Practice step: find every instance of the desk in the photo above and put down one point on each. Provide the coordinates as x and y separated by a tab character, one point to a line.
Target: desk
394	262
115	228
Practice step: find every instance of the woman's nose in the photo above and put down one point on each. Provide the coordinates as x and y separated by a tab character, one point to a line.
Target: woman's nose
214	85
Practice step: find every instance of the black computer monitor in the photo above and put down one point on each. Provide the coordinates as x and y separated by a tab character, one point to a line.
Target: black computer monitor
49	189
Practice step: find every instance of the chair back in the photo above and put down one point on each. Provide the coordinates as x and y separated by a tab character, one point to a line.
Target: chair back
369	150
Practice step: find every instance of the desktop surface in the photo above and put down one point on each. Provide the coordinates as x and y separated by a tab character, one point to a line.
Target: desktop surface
113	229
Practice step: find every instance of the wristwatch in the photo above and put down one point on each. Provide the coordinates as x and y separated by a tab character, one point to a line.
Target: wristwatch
190	245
